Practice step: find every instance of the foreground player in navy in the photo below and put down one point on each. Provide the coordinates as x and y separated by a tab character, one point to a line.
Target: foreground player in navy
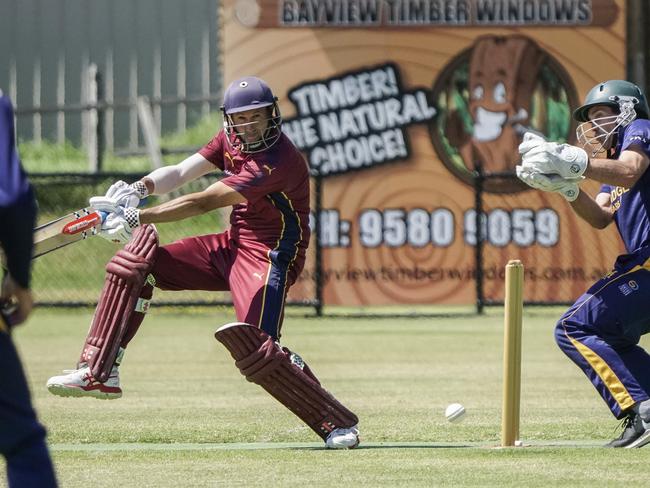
257	260
22	438
601	330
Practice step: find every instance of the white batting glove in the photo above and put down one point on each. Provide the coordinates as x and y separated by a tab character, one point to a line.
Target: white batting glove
118	226
114	230
119	222
104	204
127	195
568	188
552	158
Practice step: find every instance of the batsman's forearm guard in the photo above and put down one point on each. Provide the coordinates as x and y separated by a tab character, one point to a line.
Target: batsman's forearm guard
285	376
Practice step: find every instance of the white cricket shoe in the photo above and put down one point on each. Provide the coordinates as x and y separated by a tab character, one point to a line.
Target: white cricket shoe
81	383
343	438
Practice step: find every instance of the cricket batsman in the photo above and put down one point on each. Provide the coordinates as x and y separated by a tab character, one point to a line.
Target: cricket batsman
22	437
257	259
600	332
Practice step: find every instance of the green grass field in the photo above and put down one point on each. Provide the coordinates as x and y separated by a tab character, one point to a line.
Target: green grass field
189	419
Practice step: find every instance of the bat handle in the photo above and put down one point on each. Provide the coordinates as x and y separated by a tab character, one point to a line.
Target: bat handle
103	214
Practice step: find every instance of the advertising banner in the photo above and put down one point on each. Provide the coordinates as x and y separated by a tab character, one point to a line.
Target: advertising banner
398	104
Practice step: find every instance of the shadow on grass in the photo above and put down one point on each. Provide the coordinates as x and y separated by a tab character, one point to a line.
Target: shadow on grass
309	446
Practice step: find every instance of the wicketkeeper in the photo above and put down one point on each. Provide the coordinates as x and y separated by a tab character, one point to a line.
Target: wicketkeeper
257	259
601	330
22	437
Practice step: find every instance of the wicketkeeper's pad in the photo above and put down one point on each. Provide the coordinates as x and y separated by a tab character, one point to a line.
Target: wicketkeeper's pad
126	274
285	376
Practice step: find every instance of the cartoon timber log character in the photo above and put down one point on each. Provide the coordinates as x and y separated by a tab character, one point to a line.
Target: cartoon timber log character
502	75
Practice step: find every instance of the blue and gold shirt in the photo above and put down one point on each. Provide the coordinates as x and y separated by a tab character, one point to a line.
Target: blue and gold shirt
632	205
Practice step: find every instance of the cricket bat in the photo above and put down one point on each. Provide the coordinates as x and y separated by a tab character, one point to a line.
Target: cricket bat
75	226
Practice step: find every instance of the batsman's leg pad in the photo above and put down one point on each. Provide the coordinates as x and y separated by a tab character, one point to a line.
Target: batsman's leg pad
119	302
141	308
285	376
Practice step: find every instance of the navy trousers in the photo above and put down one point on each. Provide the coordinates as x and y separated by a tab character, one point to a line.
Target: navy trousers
22	437
601	331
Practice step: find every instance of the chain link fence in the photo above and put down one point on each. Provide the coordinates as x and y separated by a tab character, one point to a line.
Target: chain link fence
562	254
74	275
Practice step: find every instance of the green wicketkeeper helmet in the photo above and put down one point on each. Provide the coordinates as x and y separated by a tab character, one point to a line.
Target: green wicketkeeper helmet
610	93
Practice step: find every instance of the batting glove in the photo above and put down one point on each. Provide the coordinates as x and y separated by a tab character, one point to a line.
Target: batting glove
568	188
127	195
104	204
119	222
553	158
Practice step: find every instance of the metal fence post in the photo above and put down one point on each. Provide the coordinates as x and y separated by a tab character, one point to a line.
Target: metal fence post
318	271
638	42
479	178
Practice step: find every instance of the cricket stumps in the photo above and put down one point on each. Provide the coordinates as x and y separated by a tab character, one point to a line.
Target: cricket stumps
513	312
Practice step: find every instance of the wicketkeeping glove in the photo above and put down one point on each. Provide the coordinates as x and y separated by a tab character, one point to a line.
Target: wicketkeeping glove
530	141
568	188
552	158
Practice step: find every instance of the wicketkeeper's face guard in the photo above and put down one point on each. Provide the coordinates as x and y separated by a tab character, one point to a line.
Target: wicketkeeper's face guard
597	134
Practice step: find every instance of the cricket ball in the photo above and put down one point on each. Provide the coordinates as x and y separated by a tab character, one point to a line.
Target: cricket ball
455	412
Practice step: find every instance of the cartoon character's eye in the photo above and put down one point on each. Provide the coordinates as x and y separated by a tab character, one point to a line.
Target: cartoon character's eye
477	92
499	93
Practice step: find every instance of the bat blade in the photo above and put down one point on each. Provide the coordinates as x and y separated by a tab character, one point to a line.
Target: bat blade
74	227
65	230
